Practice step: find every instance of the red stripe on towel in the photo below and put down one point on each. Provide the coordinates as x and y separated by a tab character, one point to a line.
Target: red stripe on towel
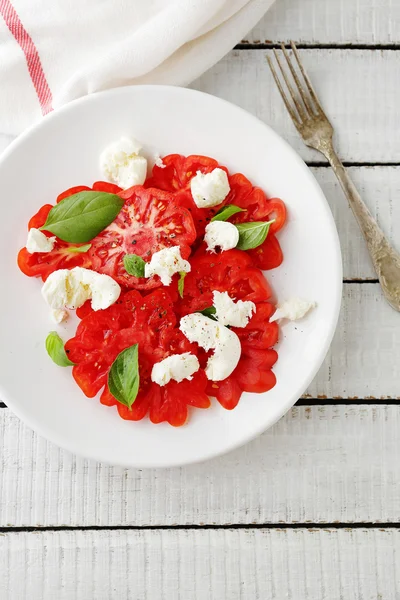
34	65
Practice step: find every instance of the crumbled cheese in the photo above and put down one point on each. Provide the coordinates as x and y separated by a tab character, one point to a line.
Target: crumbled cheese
71	288
166	263
229	312
209	189
177	367
210	334
293	309
59	315
158	161
221	234
39	242
122	164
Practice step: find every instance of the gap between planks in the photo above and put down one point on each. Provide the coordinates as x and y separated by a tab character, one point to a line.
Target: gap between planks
270	45
380	526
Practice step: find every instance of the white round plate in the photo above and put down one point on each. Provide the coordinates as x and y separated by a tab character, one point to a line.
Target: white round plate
63	151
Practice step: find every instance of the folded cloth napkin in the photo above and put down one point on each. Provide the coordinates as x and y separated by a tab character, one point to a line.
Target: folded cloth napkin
52	51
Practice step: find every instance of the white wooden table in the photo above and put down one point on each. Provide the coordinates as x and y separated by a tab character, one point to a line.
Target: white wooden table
311	509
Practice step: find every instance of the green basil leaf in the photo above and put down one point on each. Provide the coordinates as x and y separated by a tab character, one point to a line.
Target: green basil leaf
209	312
252	235
134	265
80	217
226	212
79	249
55	349
181	282
123	377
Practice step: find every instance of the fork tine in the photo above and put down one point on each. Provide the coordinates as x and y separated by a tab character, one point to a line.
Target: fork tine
301	89
299	106
306	78
282	92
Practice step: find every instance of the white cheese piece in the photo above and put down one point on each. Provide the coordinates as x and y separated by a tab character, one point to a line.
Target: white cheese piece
177	367
293	309
209	189
159	161
221	234
122	164
210	334
166	263
59	315
229	312
70	288
39	242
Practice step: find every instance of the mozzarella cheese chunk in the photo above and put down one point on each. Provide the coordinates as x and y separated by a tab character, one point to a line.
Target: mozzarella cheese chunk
59	315
177	367
39	242
158	161
70	288
229	312
221	234
293	309
209	189
210	334
122	164
166	263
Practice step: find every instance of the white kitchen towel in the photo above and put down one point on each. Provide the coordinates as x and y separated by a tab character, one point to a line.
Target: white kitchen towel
53	51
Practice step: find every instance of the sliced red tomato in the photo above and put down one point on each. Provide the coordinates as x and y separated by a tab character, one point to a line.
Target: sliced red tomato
269	255
179	170
176	177
71	191
168	403
149	221
151	323
253	372
105	186
230	271
41	264
256	205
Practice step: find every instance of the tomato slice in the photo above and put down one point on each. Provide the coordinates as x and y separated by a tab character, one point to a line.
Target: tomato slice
105	186
253	372
151	323
179	170
230	271
149	221
41	264
269	255
71	191
176	177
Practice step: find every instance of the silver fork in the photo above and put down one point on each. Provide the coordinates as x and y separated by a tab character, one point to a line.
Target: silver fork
317	132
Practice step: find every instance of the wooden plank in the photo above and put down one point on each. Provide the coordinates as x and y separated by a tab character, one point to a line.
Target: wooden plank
359	90
318	464
363	359
201	565
380	189
330	22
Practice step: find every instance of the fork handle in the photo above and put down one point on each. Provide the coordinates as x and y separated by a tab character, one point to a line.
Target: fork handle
385	259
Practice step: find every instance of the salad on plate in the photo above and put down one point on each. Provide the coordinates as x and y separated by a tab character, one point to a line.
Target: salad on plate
166	276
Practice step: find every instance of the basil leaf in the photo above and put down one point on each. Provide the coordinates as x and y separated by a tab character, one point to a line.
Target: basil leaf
209	312
79	249
252	235
55	349
181	282
123	377
80	217
134	265
226	212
